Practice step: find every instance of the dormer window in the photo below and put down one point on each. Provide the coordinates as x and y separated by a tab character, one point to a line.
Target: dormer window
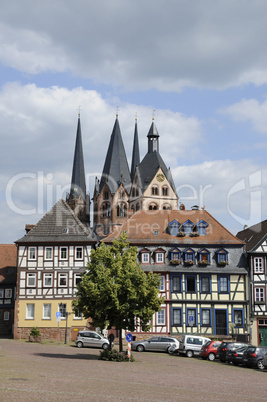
145	256
174	228
189	257
201	227
222	257
188	227
204	257
175	256
160	256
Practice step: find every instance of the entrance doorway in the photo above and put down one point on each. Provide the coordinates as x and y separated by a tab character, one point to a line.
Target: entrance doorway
221	322
263	336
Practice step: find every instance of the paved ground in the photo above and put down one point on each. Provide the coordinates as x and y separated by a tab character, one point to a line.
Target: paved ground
45	372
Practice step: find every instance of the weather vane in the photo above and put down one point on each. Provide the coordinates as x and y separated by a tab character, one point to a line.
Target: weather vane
117	113
135	115
79	108
153	114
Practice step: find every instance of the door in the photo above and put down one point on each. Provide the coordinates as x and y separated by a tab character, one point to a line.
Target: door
262	336
220	322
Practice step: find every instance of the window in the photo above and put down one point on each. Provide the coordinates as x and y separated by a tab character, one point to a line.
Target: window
159	258
259	294
1	293
205	317
174	228
78	253
47	280
189	256
31	280
154	190
30	311
165	191
153	207
32	253
175	256
205	284
176	316
47	311
48	253
223	284
145	257
121	210
222	257
188	227
258	265
238	317
204	257
78	315
6	315
105	195
8	293
191	317
62	308
162	283
63	253
161	317
62	280
77	279
202	228
176	284
190	283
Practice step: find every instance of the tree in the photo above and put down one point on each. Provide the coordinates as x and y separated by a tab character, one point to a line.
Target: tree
115	290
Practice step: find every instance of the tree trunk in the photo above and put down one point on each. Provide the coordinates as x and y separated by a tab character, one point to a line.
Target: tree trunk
120	340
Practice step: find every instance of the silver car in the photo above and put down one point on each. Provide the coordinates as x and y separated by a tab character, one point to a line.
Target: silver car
156	344
91	339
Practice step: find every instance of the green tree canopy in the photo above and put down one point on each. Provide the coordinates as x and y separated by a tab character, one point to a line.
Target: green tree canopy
115	290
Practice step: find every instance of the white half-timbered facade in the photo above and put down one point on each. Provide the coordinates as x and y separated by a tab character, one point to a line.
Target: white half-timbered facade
50	260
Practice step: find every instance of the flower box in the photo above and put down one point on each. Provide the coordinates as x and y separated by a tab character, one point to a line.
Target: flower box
194	234
175	262
222	263
181	234
189	262
203	263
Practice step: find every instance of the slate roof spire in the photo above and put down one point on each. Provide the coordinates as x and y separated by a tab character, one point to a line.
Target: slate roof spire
116	169
135	153
78	186
153	138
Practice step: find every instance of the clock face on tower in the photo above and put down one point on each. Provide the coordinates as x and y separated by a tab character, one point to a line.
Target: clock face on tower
160	177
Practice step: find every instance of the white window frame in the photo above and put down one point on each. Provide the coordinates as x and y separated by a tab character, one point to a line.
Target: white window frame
76	253
32	254
61	251
30	311
48	276
160	257
47	311
145	258
258	265
162	283
31	275
8	293
161	317
79	316
48	258
77	276
261	294
62	276
6	315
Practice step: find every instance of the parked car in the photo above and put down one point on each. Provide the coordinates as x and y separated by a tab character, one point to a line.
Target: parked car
235	356
264	362
253	357
209	350
226	347
91	339
191	345
156	344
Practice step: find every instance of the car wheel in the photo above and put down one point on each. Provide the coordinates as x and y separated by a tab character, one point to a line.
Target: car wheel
79	344
140	348
189	353
105	346
260	364
211	357
170	350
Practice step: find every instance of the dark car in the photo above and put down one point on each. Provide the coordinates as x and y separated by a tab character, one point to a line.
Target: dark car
253	357
235	356
209	350
226	347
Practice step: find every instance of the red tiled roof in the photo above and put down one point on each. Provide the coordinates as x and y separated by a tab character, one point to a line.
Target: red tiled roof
142	227
8	262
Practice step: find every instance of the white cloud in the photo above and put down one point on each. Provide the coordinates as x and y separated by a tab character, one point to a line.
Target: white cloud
215	44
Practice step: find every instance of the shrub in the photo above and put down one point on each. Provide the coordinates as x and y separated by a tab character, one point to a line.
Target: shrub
35	332
115	356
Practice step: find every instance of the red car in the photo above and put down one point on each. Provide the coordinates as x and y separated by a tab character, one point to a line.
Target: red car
209	350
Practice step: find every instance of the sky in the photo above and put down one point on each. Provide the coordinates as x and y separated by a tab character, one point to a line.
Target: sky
199	67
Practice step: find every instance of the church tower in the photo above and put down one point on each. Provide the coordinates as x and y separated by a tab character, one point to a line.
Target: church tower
152	183
112	192
77	199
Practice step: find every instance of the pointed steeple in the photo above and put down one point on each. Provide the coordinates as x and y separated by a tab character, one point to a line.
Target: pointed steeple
135	153
116	169
153	138
78	187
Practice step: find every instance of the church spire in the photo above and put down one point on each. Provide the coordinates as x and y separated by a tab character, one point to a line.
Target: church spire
78	187
135	153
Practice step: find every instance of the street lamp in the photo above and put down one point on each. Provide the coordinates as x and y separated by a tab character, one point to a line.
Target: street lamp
66	313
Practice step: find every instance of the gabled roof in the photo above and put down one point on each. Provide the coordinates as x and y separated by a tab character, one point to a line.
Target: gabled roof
254	235
8	263
78	186
116	169
141	226
59	225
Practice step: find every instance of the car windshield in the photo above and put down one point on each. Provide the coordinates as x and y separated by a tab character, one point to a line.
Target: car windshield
208	343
